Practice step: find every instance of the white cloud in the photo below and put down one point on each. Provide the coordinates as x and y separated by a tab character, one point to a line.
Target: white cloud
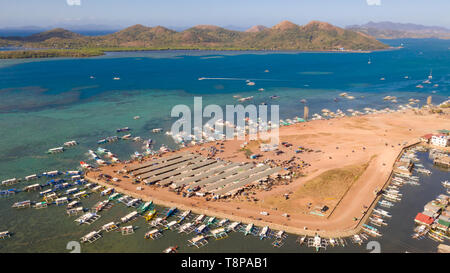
374	2
78	2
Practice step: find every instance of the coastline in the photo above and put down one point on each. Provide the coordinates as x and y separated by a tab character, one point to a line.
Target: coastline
75	53
336	225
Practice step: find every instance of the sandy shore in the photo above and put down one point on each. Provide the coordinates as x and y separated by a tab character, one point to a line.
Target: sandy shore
345	145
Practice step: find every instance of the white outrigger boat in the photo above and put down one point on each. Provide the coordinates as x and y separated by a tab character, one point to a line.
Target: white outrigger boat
186	228
219	233
199	219
87	218
264	233
10	181
153	234
91	237
110	227
371	230
73	204
385	204
223	222
108	191
233	226
357	239
22	204
5	234
133	202
128	230
301	240
377	221
248	229
446	184
75	211
198	241
382	212
317	242
158	221
184	215
130	216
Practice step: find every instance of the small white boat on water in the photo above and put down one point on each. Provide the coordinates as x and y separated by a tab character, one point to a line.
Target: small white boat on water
264	232
248	229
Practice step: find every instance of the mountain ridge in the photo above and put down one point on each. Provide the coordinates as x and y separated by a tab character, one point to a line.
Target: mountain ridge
392	30
314	36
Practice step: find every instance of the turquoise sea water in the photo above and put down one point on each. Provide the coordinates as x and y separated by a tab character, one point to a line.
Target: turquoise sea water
45	102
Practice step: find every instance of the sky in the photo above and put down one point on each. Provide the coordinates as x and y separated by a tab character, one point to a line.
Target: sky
237	13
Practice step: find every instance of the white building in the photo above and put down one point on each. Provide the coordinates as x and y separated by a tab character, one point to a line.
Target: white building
440	140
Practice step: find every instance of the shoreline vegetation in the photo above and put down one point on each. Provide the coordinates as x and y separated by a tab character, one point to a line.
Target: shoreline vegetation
286	36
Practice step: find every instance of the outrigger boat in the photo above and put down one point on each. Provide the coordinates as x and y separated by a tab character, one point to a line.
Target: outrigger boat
171	212
222	222
446	183
436	237
382	212
128	230
158	221
171	225
211	220
75	211
31	177
91	237
301	240
333	242
5	234
171	249
371	230
248	229
357	239
150	215
280	234
153	234
108	191
10	181
61	201
421	230
129	217
110	227
41	205
146	206
385	203
133	202
114	196
55	150
199	219
264	232
377	221
184	215
187	227
87	218
33	187
125	129
317	242
201	229
198	241
80	195
233	226
22	204
101	205
219	233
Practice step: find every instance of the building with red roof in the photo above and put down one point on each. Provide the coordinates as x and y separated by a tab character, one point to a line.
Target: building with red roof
423	219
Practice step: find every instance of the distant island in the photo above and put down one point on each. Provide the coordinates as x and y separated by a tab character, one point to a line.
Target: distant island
314	36
390	30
